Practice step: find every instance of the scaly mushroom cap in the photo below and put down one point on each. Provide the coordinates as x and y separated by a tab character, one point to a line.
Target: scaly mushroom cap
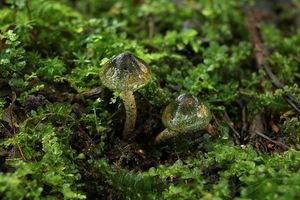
186	114
125	72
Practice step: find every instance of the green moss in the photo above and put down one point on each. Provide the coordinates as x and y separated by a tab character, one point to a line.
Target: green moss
60	128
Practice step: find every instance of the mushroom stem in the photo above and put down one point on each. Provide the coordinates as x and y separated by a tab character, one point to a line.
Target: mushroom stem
165	134
130	107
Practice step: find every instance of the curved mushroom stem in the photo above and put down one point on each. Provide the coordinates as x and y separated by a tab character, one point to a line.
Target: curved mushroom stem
130	107
165	134
210	129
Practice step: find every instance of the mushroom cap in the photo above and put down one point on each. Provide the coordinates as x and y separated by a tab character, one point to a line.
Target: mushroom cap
125	72
186	114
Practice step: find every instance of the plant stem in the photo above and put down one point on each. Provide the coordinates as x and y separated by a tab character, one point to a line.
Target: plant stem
28	9
130	107
165	134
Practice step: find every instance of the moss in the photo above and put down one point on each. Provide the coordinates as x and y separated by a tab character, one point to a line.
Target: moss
60	131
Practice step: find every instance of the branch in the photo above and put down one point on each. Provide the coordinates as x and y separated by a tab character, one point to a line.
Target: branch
260	53
284	146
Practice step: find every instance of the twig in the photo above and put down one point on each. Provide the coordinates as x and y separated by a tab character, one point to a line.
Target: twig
286	147
244	120
236	136
215	120
13	122
261	54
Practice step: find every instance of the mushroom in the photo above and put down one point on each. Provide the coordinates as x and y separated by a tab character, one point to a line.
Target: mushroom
185	114
126	73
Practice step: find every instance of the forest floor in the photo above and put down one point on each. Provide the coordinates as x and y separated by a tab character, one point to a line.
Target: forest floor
61	128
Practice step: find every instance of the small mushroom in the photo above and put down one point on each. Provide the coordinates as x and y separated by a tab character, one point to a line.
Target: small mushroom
126	73
185	114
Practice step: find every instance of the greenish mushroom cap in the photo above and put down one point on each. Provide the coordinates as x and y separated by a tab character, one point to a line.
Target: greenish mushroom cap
125	72
186	114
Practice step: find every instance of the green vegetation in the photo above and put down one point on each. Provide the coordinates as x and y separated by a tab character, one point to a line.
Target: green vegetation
61	128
